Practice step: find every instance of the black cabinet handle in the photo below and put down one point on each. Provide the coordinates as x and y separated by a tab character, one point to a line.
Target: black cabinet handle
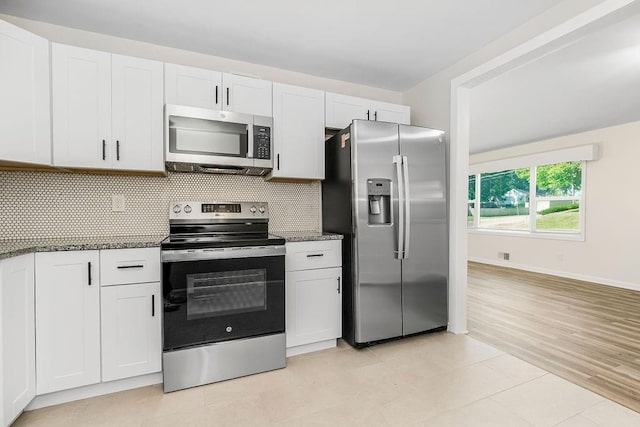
104	148
153	305
227	96
338	284
216	94
278	161
367	114
130	266
375	116
89	272
117	150
314	255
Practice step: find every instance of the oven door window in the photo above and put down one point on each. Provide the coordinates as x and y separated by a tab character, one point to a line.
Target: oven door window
189	135
226	292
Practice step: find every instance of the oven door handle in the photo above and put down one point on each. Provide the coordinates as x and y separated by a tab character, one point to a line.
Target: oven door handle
183	255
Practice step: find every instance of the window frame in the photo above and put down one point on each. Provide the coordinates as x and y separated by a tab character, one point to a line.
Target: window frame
582	154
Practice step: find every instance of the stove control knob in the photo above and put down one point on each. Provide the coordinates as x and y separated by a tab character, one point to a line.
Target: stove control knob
253	209
187	209
262	209
176	209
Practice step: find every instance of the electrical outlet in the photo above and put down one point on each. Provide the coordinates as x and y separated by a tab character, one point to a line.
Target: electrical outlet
117	203
503	255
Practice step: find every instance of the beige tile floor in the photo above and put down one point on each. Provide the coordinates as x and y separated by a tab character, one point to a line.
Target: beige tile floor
431	380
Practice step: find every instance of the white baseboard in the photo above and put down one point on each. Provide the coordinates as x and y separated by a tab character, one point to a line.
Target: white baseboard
308	348
94	390
568	275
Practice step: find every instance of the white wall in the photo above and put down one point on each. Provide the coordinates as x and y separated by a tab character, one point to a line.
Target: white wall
430	100
59	34
610	253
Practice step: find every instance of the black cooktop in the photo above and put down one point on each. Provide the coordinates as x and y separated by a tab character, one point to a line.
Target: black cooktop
204	241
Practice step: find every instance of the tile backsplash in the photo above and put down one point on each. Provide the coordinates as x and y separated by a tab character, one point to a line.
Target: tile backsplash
50	205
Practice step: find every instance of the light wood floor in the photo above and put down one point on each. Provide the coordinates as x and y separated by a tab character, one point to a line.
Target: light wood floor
586	333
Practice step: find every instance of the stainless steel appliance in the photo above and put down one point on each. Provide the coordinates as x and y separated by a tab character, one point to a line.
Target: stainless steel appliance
385	191
223	290
201	140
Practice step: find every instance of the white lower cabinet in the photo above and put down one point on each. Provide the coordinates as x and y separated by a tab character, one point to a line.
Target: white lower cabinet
67	320
18	368
131	330
314	295
314	306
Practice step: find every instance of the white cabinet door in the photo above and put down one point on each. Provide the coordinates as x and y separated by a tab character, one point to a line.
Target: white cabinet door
81	107
393	113
25	134
191	86
298	132
246	95
131	330
342	109
314	306
136	108
18	335
67	320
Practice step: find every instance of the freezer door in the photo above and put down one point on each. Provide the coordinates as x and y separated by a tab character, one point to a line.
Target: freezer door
425	264
378	292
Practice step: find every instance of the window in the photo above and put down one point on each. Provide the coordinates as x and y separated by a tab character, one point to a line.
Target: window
504	199
541	199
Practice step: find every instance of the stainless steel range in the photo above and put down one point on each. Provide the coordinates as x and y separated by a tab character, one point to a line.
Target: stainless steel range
223	288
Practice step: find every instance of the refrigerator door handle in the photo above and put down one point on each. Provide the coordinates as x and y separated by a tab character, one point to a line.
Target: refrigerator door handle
407	206
397	160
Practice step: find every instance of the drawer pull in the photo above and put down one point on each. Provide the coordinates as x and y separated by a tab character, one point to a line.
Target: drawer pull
153	305
89	272
338	284
120	267
314	255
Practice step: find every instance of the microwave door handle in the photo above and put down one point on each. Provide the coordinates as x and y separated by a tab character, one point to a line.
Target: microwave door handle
250	141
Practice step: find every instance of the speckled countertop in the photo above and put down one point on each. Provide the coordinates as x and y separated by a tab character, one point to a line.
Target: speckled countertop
11	248
306	236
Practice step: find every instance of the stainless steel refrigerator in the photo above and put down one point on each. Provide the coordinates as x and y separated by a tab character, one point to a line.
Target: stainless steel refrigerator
385	191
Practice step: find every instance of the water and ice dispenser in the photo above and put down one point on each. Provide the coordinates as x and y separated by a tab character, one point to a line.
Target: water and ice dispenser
379	197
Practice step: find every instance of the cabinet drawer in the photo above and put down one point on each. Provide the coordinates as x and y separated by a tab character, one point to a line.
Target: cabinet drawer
312	255
122	266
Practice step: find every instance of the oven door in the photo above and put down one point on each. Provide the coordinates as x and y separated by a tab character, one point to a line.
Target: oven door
213	295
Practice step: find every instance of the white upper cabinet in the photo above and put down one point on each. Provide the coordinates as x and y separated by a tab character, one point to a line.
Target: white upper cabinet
25	134
298	132
198	87
67	320
137	107
247	95
191	86
342	109
394	113
81	107
18	350
107	110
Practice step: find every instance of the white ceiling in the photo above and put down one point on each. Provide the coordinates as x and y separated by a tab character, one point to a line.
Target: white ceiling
386	44
591	83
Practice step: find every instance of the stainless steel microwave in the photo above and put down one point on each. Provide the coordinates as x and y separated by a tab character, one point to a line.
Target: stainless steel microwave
202	140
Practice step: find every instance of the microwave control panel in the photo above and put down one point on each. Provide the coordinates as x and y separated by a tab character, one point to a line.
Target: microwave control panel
261	142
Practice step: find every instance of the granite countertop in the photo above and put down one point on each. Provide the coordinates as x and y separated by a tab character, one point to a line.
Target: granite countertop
11	248
305	236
